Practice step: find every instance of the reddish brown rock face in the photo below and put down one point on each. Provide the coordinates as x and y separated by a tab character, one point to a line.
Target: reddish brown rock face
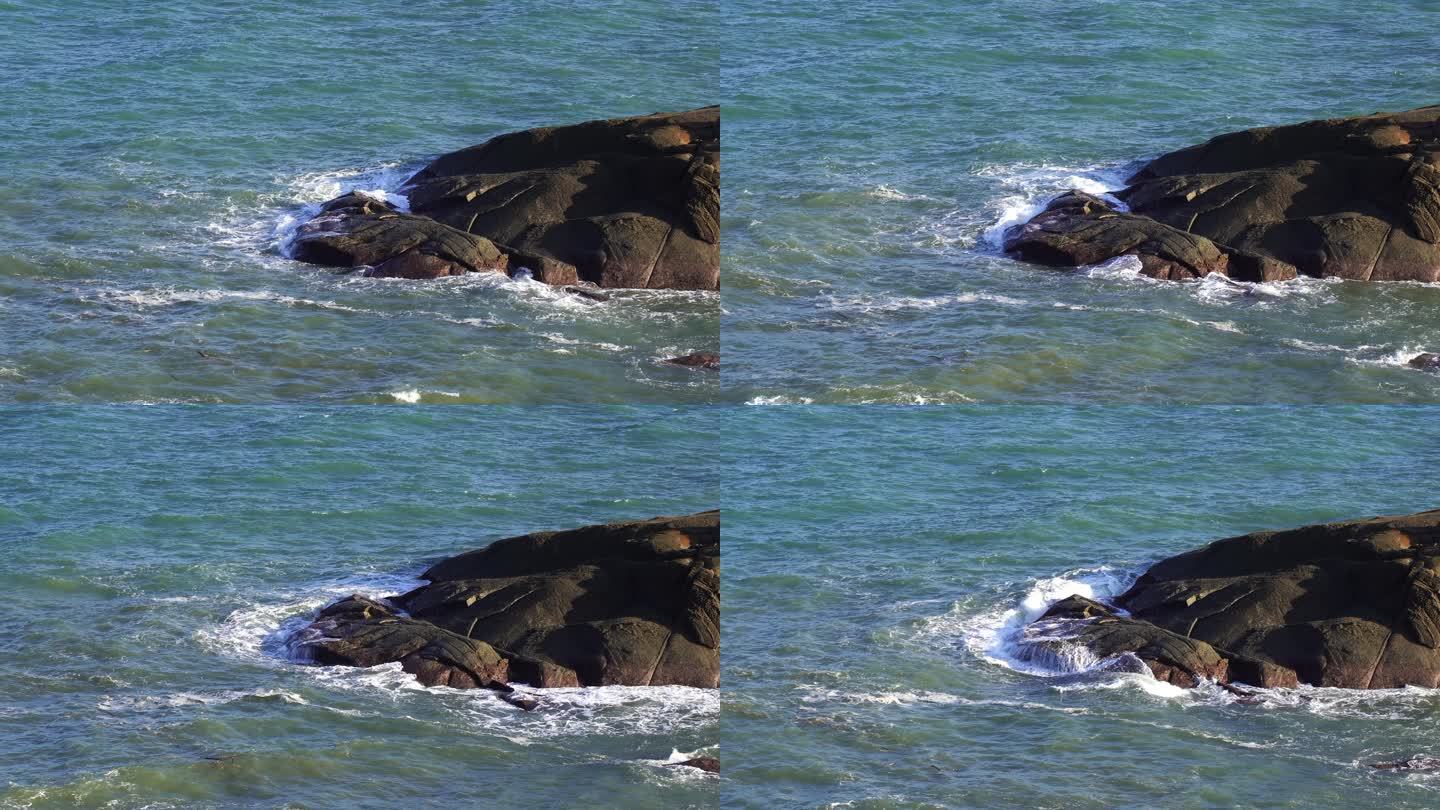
635	603
1353	604
626	202
1355	198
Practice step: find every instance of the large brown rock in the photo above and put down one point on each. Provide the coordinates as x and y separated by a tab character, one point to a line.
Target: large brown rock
1355	198
1353	604
626	202
1078	229
632	603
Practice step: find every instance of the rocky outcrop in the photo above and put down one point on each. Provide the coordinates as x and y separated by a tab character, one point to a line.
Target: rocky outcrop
627	202
696	360
1429	361
709	764
1355	198
632	603
1420	762
1078	229
1353	604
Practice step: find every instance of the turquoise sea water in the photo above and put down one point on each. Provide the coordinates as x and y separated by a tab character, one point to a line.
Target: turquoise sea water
878	558
155	558
156	155
874	149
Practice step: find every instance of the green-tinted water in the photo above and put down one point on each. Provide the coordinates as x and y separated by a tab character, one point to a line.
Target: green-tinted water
156	156
151	581
880	558
877	151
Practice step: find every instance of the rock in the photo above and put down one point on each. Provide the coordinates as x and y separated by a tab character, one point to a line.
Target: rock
697	360
587	293
1428	361
632	603
1355	198
1171	657
1415	763
1354	604
707	764
357	230
625	202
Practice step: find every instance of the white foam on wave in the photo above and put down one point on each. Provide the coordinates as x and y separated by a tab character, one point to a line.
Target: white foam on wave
997	635
155	297
411	396
1374	355
1384	355
867	304
259	632
779	399
667	768
269	221
888	192
147	703
1120	268
569	341
309	191
1027	188
906	698
563	712
898	394
1218	326
1222	290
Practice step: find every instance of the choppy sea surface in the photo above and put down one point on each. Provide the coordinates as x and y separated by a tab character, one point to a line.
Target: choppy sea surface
152	579
880	561
157	156
877	152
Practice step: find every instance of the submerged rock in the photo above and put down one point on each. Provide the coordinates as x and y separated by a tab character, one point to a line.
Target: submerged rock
707	764
697	360
1355	198
1427	360
633	603
1354	604
626	202
1416	763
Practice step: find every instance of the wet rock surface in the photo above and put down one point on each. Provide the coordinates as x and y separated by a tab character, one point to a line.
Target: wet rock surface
1429	361
1415	763
626	202
707	764
1355	198
697	360
1354	604
631	603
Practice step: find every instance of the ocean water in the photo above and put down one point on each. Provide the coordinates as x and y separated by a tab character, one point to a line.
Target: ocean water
880	559
151	580
877	151
157	155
